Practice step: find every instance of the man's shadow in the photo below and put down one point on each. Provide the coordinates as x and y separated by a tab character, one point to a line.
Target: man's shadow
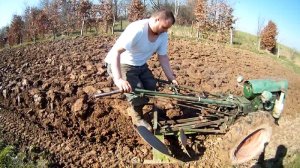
276	162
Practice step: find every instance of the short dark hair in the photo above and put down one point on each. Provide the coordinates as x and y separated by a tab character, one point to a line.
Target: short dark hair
165	14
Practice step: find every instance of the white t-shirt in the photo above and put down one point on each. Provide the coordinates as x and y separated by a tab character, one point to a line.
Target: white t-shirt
138	47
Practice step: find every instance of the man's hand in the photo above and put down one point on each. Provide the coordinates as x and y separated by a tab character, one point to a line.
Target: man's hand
174	81
123	85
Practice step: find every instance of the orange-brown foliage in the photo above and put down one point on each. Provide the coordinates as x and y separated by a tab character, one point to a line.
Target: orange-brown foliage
15	30
268	37
214	19
136	11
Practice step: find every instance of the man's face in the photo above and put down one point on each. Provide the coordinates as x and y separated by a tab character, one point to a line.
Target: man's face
162	25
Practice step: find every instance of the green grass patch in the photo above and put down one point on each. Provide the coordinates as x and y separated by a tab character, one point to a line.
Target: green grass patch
7	155
121	25
245	41
2	144
10	157
183	31
295	163
290	64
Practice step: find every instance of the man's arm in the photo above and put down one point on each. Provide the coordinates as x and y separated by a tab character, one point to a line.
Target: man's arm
165	63
116	71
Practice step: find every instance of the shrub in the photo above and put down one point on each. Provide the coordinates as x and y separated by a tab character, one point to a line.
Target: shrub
268	37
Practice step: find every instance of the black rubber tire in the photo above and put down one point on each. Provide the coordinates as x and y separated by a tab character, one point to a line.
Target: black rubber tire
248	137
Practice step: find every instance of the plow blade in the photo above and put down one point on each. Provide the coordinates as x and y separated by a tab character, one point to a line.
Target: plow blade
162	154
183	140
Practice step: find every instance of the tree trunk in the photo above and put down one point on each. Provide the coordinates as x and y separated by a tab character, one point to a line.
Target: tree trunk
106	27
121	24
176	8
96	26
198	32
82	24
231	36
113	24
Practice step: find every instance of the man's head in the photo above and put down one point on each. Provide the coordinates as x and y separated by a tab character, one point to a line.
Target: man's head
163	20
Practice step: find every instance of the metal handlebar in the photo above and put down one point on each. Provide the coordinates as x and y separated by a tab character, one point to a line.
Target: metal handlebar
107	94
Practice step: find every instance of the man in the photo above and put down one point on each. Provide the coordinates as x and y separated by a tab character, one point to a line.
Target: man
127	60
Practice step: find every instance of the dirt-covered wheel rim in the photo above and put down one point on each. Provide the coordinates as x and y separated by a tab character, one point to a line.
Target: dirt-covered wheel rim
247	137
251	145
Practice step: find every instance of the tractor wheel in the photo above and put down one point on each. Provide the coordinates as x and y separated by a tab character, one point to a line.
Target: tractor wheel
248	137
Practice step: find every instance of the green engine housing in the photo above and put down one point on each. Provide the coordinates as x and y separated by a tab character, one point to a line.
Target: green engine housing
254	88
264	94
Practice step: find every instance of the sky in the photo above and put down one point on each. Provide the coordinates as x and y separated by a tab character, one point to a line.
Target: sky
10	7
284	13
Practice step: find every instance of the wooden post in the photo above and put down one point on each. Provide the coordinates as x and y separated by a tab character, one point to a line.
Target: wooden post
121	24
278	52
231	36
81	32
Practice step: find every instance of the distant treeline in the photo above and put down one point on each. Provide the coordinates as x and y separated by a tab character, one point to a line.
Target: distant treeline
213	19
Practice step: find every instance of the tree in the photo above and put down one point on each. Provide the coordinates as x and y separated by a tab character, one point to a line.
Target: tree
69	19
123	8
200	14
115	6
26	18
107	14
52	11
176	8
32	22
155	4
43	23
84	10
268	37
136	11
3	36
186	15
260	23
225	22
15	32
214	19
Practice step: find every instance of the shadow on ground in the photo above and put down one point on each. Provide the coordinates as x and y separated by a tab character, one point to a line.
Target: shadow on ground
276	162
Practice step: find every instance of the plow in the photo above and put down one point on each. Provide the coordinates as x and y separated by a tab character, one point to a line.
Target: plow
246	121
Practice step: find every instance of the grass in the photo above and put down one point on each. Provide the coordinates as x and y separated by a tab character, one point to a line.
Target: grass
2	144
121	26
250	42
295	162
290	64
11	158
290	58
7	156
245	41
183	31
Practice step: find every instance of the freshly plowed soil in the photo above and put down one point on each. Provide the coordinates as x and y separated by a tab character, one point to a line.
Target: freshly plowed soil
46	100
